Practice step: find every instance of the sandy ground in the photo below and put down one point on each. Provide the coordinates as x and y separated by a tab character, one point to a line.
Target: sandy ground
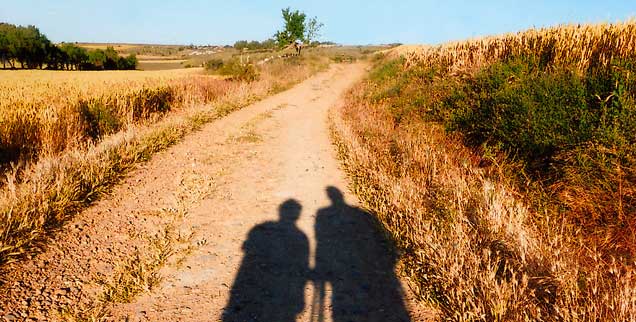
270	231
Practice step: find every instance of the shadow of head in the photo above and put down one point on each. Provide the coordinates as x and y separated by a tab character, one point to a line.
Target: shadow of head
289	211
335	195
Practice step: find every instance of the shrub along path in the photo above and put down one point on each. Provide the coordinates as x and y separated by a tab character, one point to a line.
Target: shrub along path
248	219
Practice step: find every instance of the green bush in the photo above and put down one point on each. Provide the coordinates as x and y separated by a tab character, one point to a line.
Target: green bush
237	70
531	113
100	120
573	133
386	71
214	64
148	101
127	63
535	114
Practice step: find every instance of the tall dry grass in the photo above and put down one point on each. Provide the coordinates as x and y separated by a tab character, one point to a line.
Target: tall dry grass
476	243
469	242
46	112
583	46
37	199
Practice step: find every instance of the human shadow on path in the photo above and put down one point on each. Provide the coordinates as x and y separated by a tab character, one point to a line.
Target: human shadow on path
269	286
354	268
354	258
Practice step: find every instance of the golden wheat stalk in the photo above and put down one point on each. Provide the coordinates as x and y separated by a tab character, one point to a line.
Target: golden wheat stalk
583	46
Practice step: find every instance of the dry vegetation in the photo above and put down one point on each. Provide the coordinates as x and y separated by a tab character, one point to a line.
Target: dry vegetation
580	46
44	112
77	133
504	170
158	64
142	50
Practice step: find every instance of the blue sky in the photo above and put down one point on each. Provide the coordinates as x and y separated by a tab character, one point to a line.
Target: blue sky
347	22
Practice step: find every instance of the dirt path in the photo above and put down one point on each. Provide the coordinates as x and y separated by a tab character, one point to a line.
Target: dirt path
265	229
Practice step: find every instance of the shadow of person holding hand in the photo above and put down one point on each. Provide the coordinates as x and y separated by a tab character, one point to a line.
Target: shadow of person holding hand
354	258
269	286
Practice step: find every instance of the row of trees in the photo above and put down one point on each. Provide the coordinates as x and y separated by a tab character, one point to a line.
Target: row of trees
256	45
29	48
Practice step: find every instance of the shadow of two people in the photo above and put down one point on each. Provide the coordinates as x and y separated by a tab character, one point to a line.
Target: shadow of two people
352	257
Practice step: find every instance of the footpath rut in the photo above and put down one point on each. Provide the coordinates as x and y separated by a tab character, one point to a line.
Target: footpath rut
266	229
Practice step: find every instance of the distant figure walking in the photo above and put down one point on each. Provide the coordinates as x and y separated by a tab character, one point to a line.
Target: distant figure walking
269	286
298	45
355	259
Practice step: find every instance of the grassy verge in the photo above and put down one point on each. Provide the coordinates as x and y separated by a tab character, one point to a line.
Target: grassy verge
508	183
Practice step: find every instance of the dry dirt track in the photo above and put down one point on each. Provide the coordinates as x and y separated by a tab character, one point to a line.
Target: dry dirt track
275	235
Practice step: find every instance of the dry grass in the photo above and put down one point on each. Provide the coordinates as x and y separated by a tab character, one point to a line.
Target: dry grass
42	113
136	274
469	243
142	51
475	245
158	64
45	112
166	244
95	312
104	46
248	132
583	46
36	200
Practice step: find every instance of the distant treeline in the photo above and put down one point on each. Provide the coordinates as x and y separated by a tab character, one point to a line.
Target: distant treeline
255	45
270	44
32	49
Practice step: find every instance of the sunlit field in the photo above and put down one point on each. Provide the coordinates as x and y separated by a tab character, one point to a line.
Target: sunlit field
43	85
504	169
47	111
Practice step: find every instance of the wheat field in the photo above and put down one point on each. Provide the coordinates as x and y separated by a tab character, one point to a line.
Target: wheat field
41	89
44	112
583	46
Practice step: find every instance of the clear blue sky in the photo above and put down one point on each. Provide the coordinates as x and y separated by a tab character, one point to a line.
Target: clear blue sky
348	22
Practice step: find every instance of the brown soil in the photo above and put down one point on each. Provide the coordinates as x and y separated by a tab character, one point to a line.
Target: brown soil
237	251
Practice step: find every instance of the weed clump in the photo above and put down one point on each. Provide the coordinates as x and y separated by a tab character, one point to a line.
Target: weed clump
234	69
